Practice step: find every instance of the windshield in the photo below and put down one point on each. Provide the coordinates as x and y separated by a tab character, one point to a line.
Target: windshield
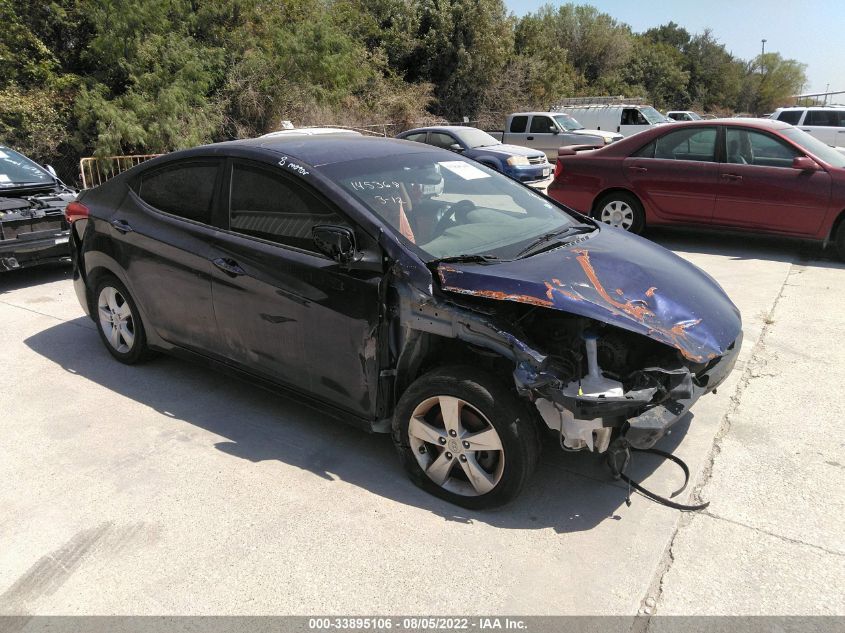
17	170
693	116
651	115
813	145
472	137
445	206
568	123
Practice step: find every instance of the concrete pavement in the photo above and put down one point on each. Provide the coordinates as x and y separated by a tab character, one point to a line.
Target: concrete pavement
169	488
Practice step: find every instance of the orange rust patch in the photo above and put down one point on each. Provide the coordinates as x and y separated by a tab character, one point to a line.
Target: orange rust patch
639	312
650	291
503	296
619	292
550	290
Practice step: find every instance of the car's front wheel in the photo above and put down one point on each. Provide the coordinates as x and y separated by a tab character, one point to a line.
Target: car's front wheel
119	323
465	437
622	210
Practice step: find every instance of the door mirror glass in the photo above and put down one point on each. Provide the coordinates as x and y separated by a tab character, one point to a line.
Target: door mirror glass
337	242
804	163
455	147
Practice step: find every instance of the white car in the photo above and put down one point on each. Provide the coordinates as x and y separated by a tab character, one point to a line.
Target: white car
683	115
826	123
312	131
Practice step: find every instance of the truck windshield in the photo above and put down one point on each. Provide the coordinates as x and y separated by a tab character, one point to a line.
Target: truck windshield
472	137
440	205
652	116
568	123
16	170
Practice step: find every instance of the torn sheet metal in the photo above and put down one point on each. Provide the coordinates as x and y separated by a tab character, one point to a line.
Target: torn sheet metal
620	279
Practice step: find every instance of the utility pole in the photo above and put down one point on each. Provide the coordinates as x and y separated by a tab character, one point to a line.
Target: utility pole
764	48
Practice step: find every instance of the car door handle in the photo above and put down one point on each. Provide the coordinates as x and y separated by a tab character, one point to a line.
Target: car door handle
805	130
638	169
228	266
122	226
731	176
529	138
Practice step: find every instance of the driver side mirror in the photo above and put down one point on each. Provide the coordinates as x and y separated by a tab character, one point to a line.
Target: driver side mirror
555	130
51	171
455	147
804	163
337	242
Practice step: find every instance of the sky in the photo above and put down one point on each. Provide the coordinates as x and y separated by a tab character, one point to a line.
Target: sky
809	31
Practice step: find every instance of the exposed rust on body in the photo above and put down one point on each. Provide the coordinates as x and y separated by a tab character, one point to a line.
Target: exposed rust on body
639	312
650	291
502	296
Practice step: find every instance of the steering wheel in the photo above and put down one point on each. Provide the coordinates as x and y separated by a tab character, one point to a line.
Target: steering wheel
457	212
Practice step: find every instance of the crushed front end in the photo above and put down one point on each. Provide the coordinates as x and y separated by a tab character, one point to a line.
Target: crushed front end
32	227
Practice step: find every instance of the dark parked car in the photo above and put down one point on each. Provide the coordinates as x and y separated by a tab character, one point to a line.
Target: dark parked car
744	174
32	203
405	290
520	163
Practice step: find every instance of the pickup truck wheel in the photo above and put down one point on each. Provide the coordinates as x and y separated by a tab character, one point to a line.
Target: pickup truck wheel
622	210
119	322
465	437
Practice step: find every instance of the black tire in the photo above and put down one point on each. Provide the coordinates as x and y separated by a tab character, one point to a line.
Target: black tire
500	408
625	201
839	240
137	351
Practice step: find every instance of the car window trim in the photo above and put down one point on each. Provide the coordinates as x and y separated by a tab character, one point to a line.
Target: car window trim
134	190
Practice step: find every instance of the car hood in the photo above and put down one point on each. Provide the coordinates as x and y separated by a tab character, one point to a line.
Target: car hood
510	150
602	133
616	278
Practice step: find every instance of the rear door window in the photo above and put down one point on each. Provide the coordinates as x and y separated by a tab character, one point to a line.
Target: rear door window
185	189
790	116
519	124
687	144
419	137
824	118
273	207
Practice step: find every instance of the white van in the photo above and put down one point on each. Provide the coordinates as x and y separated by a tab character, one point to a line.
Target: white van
623	118
826	123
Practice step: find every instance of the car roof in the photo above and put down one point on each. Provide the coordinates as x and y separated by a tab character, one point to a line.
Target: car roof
318	150
445	128
816	107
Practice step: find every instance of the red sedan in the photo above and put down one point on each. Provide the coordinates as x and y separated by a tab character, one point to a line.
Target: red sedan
742	174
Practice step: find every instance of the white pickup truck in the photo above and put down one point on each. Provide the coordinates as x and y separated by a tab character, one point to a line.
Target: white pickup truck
548	131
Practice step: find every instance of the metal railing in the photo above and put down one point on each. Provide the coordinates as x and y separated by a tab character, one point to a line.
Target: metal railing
95	171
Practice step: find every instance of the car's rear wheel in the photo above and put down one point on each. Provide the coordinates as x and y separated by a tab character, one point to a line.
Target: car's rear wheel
622	210
465	437
119	323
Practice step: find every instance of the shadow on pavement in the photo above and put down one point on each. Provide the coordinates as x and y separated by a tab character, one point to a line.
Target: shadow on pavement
24	277
745	246
570	492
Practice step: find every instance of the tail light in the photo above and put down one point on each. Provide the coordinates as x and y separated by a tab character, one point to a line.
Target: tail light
75	211
558	168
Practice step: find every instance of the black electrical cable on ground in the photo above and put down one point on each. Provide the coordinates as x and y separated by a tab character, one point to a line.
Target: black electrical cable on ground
655	497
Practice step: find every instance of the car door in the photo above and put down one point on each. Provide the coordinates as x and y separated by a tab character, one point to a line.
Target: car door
676	174
285	310
759	188
543	134
162	235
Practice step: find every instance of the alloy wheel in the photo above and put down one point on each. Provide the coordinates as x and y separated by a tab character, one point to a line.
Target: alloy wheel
116	319
456	446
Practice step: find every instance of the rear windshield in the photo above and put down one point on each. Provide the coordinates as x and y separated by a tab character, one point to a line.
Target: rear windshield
16	170
813	145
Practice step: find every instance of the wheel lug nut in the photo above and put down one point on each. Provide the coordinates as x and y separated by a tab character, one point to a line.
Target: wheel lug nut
463	458
466	444
448	455
422	449
442	440
453	433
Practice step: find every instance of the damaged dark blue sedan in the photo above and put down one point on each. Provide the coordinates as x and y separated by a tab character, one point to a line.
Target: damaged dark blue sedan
405	290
